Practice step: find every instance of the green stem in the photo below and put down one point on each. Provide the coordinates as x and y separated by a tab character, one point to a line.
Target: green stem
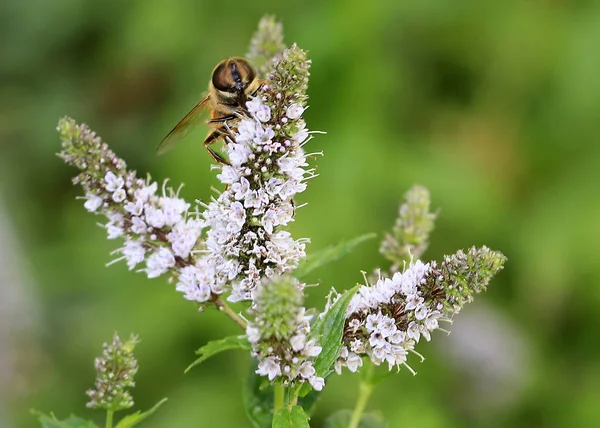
278	397
109	418
224	307
364	392
294	395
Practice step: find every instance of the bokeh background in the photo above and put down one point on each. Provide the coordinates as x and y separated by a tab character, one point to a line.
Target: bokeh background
494	106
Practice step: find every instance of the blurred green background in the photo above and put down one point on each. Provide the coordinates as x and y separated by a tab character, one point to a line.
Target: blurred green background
494	106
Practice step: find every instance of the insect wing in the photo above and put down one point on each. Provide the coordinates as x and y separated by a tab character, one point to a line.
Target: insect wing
185	125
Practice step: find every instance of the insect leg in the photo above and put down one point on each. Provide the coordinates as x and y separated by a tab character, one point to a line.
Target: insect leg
222	119
213	137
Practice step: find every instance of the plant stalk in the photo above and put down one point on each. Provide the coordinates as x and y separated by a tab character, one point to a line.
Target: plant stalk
109	418
278	397
224	307
364	392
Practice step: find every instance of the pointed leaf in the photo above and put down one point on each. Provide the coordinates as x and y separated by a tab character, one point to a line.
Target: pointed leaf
341	419
216	346
290	418
328	331
330	254
137	417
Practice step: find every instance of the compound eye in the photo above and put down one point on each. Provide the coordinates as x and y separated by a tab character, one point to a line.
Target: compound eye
246	71
222	79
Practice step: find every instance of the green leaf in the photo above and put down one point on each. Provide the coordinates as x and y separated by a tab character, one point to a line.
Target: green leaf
71	422
328	331
258	399
309	401
137	417
216	346
341	419
290	418
329	254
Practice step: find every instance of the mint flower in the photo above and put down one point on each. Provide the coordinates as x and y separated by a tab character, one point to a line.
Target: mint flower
266	42
279	334
114	376
244	239
410	235
386	320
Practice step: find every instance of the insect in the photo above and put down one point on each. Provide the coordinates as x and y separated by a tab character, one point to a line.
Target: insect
233	81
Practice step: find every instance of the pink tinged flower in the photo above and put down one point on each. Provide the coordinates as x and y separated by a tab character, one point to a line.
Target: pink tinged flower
134	253
387	326
420	269
376	340
183	239
119	196
159	262
155	217
135	208
228	175
397	337
238	154
413	331
138	225
354	325
173	209
357	346
144	193
378	355
426	333
93	202
354	362
240	189
298	342
421	312
246	131
258	109
269	220
307	370
254	105
202	293
264	136
189	276
294	111
300	136
412	301
273	186
256	199
311	349
317	383
113	182
285	214
237	214
344	353
373	321
114	231
400	354
253	334
431	322
269	367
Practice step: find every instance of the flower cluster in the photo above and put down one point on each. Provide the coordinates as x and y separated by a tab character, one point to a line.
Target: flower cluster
115	371
410	235
244	240
386	320
279	334
159	231
266	170
266	42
